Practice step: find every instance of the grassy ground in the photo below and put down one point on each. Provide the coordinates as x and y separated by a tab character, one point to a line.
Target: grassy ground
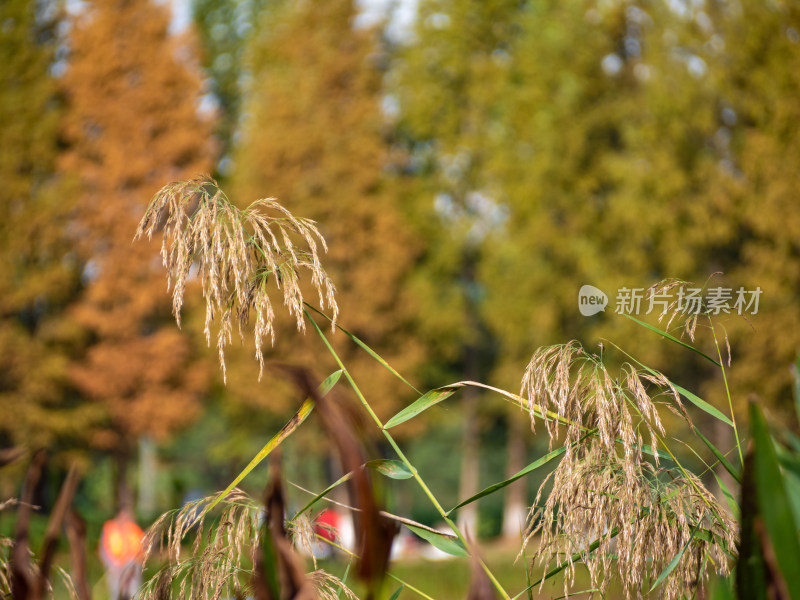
436	579
450	579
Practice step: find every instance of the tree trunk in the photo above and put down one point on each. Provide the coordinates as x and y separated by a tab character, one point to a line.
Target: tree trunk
515	509
123	492
470	463
148	465
470	439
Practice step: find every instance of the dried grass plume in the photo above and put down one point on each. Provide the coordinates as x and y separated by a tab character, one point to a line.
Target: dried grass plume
610	508
239	254
631	526
576	386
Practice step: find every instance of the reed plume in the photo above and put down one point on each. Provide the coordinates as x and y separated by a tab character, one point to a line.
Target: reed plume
575	385
239	254
610	508
631	526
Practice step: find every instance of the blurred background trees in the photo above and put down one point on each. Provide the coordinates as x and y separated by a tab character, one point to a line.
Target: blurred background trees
314	136
131	122
38	266
470	171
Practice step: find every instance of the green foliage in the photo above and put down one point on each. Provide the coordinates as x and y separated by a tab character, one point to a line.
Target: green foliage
38	270
770	549
640	153
225	28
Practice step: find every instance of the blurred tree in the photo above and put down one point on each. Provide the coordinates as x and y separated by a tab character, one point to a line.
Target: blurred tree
132	124
225	28
37	272
313	136
607	161
445	82
635	148
758	129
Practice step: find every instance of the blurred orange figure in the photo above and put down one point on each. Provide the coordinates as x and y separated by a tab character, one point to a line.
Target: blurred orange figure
121	552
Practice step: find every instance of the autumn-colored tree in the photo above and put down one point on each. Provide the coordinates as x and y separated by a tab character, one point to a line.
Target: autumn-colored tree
132	124
313	138
37	272
634	149
445	82
631	157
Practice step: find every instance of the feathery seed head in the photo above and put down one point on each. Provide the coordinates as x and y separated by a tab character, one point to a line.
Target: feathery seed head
571	387
221	554
609	508
630	525
238	253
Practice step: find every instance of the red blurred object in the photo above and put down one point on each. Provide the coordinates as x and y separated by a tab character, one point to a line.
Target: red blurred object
327	524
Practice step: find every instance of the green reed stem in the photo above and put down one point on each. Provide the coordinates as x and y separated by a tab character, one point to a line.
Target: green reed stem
727	391
426	490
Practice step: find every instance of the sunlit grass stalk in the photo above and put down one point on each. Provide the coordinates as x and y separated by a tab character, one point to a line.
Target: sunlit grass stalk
727	391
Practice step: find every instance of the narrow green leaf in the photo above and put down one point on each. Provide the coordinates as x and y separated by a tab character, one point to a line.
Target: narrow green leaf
290	427
344	578
330	381
366	349
676	559
589	591
732	504
796	388
498	486
789	461
702	404
396	593
722	588
322	494
720	456
269	563
527	581
422	404
408	586
394	469
773	504
446	543
672	338
793	492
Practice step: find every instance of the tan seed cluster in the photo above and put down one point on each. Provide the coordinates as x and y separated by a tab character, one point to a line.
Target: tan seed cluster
327	586
220	556
239	254
575	385
631	527
610	508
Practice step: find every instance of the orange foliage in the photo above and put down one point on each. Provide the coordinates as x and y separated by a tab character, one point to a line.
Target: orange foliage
314	139
132	124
